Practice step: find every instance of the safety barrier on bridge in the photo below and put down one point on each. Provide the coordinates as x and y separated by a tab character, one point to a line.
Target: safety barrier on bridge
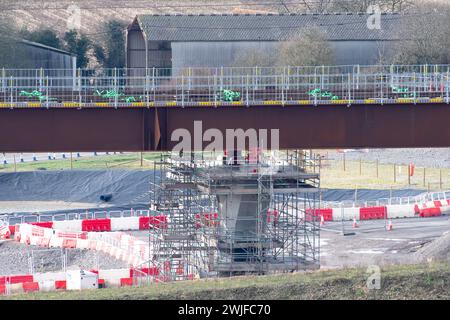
214	87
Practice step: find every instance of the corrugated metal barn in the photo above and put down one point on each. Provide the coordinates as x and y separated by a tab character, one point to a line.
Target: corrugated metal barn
42	56
177	41
26	54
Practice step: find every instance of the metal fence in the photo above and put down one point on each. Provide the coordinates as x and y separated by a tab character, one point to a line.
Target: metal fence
37	217
215	86
422	198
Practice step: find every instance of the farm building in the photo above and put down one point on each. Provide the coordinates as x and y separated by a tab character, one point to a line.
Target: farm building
177	41
24	54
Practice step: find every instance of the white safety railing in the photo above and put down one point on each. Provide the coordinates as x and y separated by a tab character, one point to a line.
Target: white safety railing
421	198
250	86
37	217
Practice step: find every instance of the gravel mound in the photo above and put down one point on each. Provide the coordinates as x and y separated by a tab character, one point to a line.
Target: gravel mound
15	259
438	249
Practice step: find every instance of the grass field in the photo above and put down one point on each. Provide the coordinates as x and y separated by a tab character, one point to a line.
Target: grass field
359	175
124	161
397	282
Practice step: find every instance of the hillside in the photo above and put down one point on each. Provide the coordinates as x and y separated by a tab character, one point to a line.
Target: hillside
399	282
35	14
54	14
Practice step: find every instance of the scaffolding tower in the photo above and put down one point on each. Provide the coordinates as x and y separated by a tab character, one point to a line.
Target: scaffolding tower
248	213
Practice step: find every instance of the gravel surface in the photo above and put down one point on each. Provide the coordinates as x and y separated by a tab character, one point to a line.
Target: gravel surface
14	259
438	249
422	157
42	206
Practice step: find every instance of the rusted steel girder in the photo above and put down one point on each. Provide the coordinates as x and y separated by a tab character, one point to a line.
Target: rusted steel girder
141	129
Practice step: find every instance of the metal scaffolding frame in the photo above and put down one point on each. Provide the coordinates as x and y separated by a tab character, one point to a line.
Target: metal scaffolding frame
273	230
140	87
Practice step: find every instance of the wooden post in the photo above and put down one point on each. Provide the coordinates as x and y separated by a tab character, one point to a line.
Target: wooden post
142	159
440	179
71	161
409	175
395	177
15	164
377	167
343	159
424	176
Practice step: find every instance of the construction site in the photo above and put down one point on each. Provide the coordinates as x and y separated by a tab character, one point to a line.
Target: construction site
234	149
239	214
211	215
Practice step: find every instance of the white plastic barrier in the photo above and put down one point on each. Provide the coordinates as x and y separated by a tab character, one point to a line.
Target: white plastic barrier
345	214
49	276
112	277
82	244
48	233
56	242
46	286
445	210
400	211
34	241
124	224
68	225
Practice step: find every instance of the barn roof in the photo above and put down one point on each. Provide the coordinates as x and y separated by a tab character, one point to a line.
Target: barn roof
264	27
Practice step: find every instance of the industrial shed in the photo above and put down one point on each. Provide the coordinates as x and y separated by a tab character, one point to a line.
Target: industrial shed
24	54
177	41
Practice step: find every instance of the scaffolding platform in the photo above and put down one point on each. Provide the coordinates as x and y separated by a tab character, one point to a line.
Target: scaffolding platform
244	214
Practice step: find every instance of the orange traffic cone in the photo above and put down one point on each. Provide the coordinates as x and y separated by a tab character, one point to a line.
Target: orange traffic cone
322	220
389	226
354	225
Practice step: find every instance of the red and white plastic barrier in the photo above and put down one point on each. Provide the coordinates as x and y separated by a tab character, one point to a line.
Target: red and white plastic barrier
5	233
76	227
101	225
428	209
54	281
117	244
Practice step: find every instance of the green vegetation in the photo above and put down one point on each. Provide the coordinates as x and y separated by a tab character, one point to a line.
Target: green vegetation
122	161
430	281
72	41
79	45
112	54
43	36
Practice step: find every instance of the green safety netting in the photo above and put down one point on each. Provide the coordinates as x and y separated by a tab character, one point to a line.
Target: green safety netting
36	94
229	95
319	94
110	94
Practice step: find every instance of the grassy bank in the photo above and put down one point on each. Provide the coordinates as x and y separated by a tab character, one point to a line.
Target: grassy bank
397	282
119	161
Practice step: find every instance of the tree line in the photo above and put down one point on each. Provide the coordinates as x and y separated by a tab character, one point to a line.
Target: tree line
107	50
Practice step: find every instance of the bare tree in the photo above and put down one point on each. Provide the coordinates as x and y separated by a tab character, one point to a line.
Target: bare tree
424	37
254	58
310	47
363	5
